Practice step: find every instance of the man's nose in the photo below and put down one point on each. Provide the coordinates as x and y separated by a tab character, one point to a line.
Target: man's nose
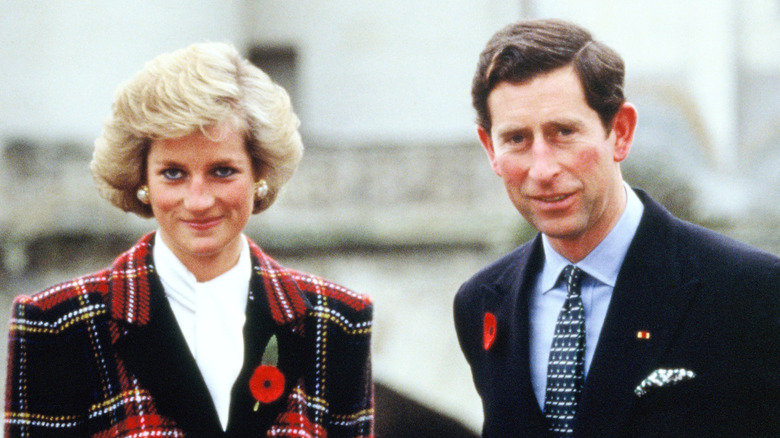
544	164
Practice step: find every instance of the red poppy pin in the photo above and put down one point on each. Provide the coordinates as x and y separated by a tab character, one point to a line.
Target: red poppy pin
267	382
489	330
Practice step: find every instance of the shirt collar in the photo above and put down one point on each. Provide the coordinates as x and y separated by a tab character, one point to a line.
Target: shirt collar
604	262
181	285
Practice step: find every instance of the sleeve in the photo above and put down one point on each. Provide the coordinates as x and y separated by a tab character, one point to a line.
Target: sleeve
43	377
351	389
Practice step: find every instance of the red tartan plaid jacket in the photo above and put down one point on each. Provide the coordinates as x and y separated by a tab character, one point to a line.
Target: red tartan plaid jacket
102	356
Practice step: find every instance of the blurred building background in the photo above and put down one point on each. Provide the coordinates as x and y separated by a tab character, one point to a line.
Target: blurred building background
394	196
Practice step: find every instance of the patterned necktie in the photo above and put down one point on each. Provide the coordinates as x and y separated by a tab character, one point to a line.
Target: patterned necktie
566	368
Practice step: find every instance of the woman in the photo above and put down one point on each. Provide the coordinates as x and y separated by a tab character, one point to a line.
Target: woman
194	331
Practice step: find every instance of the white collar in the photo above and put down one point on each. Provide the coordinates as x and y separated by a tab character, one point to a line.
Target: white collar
180	284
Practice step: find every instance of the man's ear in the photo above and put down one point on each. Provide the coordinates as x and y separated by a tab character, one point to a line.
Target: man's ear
487	143
624	125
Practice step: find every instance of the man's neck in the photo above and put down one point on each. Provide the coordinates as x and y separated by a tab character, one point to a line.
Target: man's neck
576	248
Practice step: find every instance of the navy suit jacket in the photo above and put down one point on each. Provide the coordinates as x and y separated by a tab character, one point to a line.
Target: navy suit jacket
709	304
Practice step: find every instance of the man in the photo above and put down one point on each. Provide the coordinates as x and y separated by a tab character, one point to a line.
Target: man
617	319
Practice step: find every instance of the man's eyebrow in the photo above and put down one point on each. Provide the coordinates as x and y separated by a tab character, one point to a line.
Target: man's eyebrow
566	121
510	128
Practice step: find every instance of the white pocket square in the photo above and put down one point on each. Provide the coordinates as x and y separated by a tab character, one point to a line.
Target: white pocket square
663	377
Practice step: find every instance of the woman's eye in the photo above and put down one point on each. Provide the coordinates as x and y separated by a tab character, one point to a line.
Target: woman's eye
172	174
224	172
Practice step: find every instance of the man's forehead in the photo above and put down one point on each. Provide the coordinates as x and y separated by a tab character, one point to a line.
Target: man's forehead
552	96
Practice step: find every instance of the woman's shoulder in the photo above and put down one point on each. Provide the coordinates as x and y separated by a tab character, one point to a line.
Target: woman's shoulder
318	286
65	301
87	294
314	286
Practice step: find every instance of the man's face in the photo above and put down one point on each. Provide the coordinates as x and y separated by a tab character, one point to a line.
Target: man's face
558	163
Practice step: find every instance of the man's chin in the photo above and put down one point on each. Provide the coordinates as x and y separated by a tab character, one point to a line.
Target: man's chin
559	230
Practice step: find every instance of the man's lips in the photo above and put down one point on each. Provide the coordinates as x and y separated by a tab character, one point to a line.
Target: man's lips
557	203
555	198
551	198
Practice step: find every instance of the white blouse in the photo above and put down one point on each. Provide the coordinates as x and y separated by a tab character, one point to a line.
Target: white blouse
211	316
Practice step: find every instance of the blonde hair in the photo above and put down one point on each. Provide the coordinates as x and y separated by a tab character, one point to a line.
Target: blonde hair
189	90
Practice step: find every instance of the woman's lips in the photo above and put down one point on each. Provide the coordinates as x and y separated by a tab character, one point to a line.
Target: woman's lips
203	224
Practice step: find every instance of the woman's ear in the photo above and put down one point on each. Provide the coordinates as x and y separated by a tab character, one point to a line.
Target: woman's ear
624	125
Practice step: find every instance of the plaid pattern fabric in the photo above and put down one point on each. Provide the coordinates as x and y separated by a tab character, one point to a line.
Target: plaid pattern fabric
65	378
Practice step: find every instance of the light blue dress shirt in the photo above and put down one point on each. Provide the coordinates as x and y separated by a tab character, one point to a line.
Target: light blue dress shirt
602	266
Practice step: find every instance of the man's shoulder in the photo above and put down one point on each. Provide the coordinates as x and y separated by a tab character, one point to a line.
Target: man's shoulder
721	245
713	250
701	248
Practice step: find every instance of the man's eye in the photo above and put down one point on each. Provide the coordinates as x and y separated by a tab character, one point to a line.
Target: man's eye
224	172
172	174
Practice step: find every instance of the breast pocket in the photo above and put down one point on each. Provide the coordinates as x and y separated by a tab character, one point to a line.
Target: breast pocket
715	404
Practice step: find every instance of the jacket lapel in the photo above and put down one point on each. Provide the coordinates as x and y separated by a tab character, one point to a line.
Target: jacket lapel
276	307
651	296
153	348
507	361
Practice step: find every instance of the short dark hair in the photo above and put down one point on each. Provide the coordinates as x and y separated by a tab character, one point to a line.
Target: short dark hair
528	48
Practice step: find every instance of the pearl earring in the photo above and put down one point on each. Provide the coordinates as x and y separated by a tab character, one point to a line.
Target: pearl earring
261	189
143	195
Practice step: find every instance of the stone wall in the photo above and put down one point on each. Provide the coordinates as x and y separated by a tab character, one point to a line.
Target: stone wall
341	196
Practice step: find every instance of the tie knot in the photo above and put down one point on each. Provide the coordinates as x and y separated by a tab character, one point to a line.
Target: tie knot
573	277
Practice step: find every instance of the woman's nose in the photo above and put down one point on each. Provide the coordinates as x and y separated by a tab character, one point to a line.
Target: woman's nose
198	196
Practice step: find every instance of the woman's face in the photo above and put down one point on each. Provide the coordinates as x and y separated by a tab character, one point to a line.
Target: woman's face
201	190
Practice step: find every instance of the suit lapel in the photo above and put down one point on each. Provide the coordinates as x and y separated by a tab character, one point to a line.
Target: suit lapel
257	331
152	347
270	290
651	296
508	360
157	354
